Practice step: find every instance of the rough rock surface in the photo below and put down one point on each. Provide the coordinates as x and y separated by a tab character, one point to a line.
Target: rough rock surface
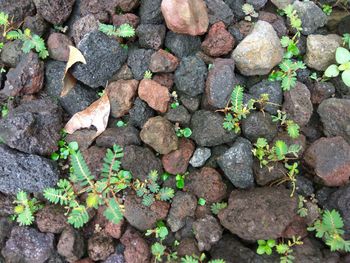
138	61
58	46
163	61
55	12
140	113
51	219
200	156
100	247
71	245
182	45
136	248
207	231
82	26
259	125
259	52
156	95
218	10
123	136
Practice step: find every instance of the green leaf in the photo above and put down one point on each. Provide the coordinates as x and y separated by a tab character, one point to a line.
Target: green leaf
293	129
261	143
342	55
158	249
4	18
217	207
282	248
125	30
187	132
237	98
81	170
74	146
201	201
281	149
113	211
332	71
78	216
346	77
25	218
148	199
12	35
166	193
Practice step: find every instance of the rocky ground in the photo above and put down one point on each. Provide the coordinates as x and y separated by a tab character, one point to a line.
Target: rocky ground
202	57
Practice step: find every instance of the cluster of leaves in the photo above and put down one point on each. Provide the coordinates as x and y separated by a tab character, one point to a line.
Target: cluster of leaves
124	30
217	207
148	74
342	57
25	209
180	180
175	102
186	132
330	228
150	190
99	192
292	128
249	12
302	210
199	259
238	110
64	148
327	9
283	249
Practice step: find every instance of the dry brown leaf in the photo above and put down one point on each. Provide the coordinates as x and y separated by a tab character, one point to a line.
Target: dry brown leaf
74	56
96	114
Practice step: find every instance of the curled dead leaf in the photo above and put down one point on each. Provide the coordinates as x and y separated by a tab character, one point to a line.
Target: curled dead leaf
96	114
68	80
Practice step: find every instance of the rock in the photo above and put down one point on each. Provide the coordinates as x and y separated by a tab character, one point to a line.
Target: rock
6	205
94	159
179	115
71	245
144	217
116	257
156	95
150	12
190	76
122	136
33	127
100	247
207	231
121	95
329	158
190	103
176	162
186	17
257	4
259	125
54	12
5	230
312	17
27	78
335	117
78	99
280	4
115	230
159	133
182	45
218	41
206	183
128	18
200	156
265	175
165	79
249	211
11	53
188	246
82	26
124	73
138	61
183	205
136	248
320	50
97	8
36	24
163	61
19	10
140	161
343	26
207	129
26	244
98	48
140	113
321	91
297	104
151	36
51	219
58	46
274	91
264	41
236	7
277	22
300	141
220	83
218	10
237	164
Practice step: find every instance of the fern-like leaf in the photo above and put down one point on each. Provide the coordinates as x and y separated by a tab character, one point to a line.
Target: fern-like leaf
148	199
111	163
113	211
281	149
237	98
217	207
25	218
125	30
56	196
78	216
166	193
81	170
293	129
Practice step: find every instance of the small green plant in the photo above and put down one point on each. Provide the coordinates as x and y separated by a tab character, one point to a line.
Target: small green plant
302	210
265	246
330	229
199	259
99	192
249	12
150	190
175	102
217	207
294	19
186	132
120	124
327	9
292	128
65	149
180	180
342	57
148	74
124	30
25	209
202	201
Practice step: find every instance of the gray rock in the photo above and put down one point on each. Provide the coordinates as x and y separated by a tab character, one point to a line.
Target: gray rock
36	24
218	10
33	127
320	91
320	51
182	45
179	115
28	245
71	245
263	40
200	156
304	186
280	4
20	171
5	230
11	53
56	12
190	103
207	231
78	99
121	136
104	57
17	10
259	125
312	17
236	7
237	164
257	4
150	12
138	61
190	76
335	117
220	82
273	89
140	113
207	129
151	36
82	26
265	175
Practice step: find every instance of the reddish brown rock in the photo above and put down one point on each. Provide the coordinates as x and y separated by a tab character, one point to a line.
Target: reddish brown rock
176	162
186	16
26	78
55	12
163	61
71	245
188	246
129	18
219	41
297	228
51	219
206	183
115	230
329	158
100	246
159	133
58	46
121	95
136	248
128	5
97	8
156	95
164	79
